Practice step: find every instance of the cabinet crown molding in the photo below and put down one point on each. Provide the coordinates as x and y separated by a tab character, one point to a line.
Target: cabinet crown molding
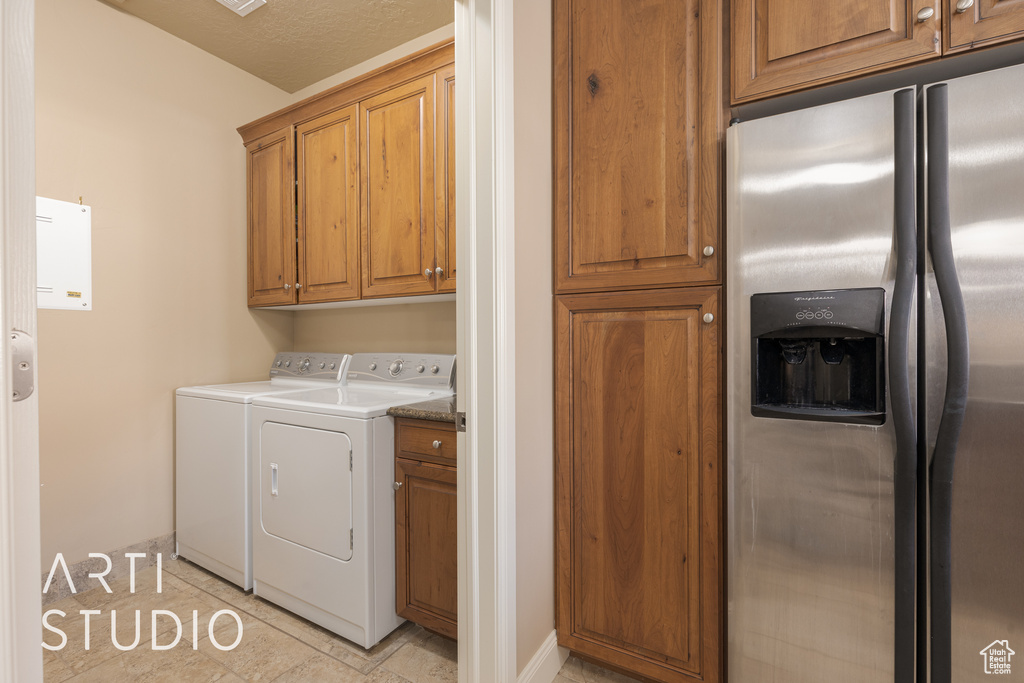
378	80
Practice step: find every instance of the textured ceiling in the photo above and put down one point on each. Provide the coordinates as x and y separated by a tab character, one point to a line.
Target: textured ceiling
294	43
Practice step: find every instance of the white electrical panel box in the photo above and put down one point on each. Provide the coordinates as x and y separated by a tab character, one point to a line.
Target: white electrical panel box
63	255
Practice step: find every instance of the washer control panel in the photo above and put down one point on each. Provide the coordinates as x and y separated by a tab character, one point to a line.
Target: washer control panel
329	367
412	369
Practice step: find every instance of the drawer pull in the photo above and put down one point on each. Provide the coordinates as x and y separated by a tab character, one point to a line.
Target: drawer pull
437	444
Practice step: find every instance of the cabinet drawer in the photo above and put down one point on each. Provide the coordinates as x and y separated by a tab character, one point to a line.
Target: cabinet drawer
416	438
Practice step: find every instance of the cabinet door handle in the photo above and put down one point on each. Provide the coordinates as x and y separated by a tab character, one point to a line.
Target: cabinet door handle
428	273
439	271
925	14
437	444
287	286
397	485
963	5
273	478
298	286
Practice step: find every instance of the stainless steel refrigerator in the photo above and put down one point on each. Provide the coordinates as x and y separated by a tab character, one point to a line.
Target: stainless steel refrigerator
876	388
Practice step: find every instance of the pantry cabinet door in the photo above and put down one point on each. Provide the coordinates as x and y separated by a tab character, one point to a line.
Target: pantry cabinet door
270	168
984	22
779	46
328	207
638	119
397	185
638	483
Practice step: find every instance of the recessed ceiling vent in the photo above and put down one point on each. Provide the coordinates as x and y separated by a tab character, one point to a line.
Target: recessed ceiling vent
242	7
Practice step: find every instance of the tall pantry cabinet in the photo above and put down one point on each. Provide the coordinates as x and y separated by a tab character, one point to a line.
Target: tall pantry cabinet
639	114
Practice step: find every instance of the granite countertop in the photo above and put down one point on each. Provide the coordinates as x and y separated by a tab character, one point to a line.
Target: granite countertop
438	410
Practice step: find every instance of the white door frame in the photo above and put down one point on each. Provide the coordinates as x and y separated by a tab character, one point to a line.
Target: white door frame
486	333
20	599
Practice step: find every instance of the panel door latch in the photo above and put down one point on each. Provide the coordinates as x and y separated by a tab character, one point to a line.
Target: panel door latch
23	356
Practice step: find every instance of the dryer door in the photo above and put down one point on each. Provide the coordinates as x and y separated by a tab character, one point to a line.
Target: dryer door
306	487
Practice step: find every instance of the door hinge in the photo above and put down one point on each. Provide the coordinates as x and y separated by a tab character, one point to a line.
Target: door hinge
23	356
460	422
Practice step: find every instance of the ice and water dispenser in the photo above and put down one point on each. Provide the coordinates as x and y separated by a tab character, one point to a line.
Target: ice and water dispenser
819	355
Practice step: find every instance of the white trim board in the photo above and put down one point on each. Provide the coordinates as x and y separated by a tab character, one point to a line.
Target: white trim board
20	599
485	314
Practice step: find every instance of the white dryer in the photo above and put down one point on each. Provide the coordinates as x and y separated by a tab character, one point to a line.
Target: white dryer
323	497
213	507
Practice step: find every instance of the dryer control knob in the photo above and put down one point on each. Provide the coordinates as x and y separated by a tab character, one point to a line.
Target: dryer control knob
396	368
278	364
323	365
420	368
331	367
434	369
373	366
287	363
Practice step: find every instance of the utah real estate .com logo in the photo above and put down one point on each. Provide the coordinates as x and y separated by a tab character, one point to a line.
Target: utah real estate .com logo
997	657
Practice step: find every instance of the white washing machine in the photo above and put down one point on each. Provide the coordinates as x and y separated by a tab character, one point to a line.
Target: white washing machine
213	505
323	497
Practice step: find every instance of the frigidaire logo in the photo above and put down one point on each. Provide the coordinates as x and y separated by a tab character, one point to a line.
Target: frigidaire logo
155	615
813	298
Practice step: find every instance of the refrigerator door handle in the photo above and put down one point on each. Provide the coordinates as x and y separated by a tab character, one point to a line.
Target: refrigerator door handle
957	367
900	317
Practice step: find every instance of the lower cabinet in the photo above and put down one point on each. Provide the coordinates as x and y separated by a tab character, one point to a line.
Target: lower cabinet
639	480
425	536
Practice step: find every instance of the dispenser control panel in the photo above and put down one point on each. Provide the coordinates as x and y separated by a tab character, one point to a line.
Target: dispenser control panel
862	310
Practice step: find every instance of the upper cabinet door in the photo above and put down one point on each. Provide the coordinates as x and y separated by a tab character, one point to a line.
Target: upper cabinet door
984	22
397	184
445	179
783	45
638	115
328	206
271	198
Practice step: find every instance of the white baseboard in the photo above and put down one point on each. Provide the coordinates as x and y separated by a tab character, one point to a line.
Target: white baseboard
545	663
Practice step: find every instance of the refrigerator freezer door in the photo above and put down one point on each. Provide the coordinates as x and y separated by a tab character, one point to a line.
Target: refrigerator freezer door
811	505
986	204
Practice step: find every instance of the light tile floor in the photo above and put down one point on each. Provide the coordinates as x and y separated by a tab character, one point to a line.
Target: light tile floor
276	646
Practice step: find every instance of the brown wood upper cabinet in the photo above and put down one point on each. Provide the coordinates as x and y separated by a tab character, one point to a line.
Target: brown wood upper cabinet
399	243
638	481
976	23
270	173
638	118
780	46
328	207
351	192
444	179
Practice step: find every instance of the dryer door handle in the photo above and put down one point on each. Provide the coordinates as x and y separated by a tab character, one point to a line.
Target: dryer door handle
273	478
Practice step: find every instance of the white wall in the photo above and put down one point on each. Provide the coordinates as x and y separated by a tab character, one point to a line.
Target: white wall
535	523
141	125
